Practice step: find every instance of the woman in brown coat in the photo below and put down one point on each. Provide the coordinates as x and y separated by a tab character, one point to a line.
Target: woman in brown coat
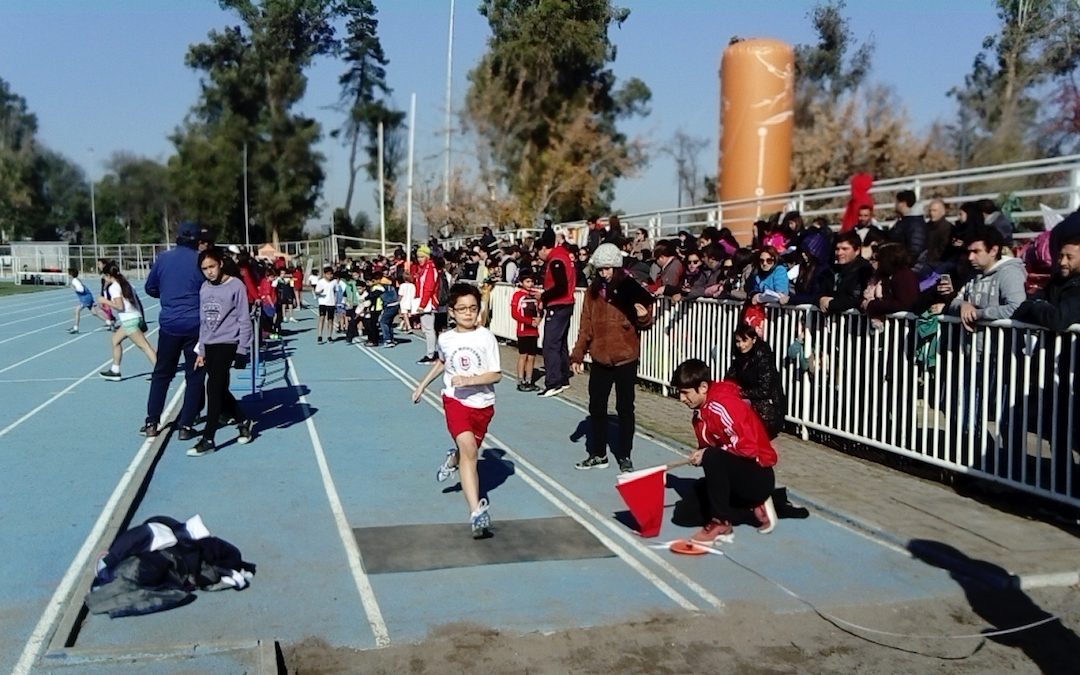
611	321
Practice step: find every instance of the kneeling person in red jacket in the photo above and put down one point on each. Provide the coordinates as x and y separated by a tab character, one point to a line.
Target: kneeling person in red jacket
733	449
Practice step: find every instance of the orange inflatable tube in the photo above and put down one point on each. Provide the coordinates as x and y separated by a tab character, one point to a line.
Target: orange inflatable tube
757	99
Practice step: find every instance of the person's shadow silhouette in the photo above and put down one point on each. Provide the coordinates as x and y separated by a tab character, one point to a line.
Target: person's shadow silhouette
492	470
1052	647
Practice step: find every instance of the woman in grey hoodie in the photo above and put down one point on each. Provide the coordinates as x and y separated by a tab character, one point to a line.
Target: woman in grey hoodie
224	336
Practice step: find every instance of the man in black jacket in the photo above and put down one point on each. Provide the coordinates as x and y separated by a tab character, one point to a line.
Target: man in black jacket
910	230
1058	309
852	273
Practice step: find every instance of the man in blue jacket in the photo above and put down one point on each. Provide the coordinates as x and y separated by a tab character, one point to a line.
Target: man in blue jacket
175	279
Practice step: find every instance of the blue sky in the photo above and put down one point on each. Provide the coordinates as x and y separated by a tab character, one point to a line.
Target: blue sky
109	74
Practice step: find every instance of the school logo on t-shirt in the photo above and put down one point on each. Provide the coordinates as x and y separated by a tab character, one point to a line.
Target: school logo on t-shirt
465	360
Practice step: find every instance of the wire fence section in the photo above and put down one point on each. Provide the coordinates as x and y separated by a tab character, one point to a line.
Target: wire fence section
1000	403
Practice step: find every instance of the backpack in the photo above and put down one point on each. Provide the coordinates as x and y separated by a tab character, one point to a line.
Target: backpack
442	290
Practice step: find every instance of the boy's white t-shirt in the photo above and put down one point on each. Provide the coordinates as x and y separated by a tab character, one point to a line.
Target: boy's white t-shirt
409	302
77	286
471	352
324	291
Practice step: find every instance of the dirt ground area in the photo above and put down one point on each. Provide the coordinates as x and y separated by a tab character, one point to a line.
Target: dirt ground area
746	639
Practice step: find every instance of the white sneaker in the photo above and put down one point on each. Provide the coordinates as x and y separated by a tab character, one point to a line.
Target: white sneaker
447	469
480	520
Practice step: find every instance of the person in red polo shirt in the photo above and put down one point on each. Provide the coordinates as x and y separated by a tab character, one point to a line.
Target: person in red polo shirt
557	298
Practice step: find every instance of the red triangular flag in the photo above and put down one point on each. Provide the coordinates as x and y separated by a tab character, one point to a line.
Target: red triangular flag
643	492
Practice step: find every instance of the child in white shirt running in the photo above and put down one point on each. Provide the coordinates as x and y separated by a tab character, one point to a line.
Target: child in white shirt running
468	359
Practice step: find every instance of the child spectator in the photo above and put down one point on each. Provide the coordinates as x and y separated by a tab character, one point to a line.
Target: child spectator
468	359
391	307
86	301
224	337
733	449
526	312
407	291
324	296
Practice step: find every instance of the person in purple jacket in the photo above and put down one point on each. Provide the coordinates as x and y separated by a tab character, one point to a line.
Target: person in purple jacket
224	337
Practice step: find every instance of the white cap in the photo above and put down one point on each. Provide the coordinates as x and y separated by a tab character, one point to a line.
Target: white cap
233	248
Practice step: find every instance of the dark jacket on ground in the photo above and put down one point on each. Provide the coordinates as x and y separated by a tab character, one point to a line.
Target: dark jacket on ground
755	373
608	334
1059	307
848	283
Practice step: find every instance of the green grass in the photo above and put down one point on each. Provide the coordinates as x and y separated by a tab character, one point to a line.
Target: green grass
11	288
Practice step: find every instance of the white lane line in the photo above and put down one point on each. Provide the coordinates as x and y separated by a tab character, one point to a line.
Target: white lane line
36	306
40	379
565	493
38	330
46	625
84	378
37	316
352	549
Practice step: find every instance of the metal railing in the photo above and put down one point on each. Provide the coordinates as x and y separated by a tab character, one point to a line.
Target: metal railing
1054	181
134	259
1000	403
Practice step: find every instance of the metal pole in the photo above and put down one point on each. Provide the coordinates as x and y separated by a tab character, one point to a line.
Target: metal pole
408	197
93	207
382	194
93	216
247	220
449	109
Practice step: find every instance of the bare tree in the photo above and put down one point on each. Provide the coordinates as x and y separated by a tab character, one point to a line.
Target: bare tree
686	150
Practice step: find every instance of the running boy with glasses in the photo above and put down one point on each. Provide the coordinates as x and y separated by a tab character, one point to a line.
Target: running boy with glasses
468	359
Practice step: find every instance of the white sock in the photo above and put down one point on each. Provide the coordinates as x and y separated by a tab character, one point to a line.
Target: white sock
114	368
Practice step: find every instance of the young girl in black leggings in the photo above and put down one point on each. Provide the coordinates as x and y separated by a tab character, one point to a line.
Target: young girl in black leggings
224	335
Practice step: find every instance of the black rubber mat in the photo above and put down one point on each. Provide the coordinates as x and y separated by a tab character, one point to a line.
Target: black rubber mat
415	548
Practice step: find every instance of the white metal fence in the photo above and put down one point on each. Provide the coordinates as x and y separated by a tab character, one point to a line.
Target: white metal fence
1053	181
134	259
1000	403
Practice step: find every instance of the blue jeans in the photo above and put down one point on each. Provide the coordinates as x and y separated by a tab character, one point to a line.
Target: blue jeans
169	349
386	324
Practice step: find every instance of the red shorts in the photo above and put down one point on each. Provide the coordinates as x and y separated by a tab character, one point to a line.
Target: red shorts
461	418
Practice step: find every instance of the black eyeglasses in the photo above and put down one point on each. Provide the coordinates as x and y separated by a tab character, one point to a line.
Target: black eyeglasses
693	261
766	261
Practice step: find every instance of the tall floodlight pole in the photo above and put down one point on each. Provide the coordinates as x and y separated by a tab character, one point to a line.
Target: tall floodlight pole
382	195
449	109
93	207
247	220
408	192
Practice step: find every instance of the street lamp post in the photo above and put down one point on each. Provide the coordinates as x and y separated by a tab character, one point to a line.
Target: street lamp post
449	109
93	207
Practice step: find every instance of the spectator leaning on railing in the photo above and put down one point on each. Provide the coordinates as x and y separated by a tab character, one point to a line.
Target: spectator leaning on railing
709	280
667	271
769	282
998	287
1058	307
851	274
894	286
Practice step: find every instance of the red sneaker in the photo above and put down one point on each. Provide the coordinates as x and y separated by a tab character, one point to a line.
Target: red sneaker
766	515
713	532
